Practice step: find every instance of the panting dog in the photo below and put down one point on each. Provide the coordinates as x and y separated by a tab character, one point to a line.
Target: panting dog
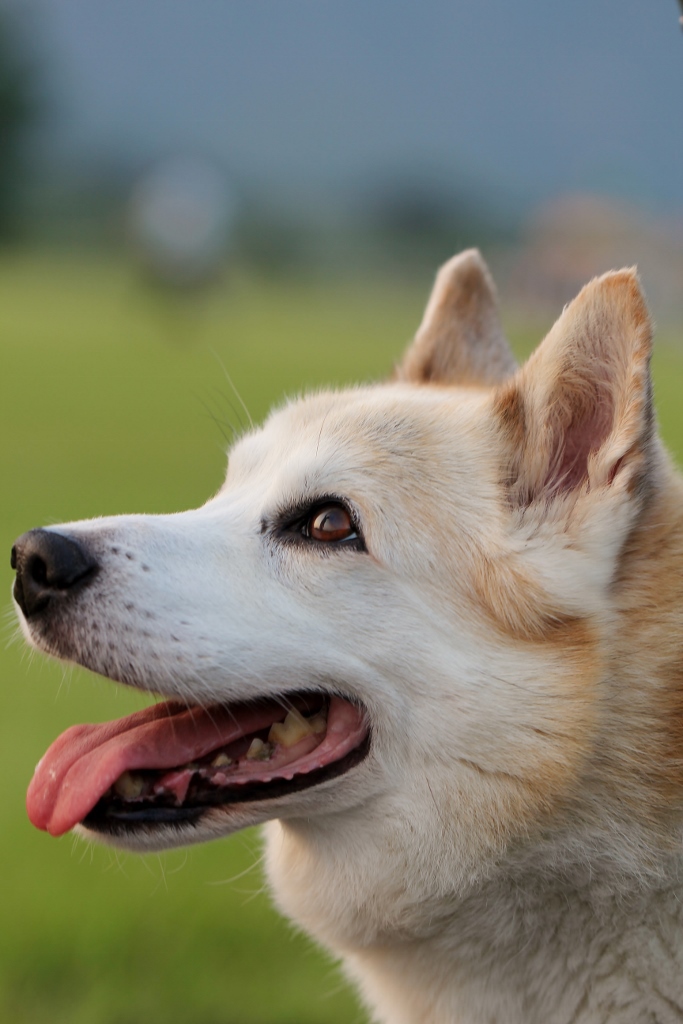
431	631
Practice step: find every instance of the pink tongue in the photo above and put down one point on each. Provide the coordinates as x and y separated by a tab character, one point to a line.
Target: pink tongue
86	760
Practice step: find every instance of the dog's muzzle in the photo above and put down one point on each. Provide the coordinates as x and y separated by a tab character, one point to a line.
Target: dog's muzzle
50	567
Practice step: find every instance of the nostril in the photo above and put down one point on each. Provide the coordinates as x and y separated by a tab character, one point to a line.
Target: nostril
37	569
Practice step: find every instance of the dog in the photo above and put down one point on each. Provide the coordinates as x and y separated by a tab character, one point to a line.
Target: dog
431	632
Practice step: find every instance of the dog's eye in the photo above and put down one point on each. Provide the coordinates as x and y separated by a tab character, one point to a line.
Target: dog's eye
330	523
324	525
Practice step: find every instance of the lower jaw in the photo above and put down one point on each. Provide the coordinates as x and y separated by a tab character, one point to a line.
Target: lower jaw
111	817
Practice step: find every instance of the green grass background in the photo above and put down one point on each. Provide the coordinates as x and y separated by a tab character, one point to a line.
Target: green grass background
114	401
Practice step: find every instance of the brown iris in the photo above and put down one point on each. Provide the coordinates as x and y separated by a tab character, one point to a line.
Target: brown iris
331	523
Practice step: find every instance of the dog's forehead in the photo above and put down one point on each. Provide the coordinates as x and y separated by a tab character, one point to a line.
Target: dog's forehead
332	439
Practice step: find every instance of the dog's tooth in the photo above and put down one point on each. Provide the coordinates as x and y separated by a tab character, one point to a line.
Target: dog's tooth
258	750
255	749
295	727
128	786
318	723
221	760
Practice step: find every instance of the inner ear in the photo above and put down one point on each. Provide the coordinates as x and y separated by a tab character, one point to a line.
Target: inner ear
579	413
460	340
577	428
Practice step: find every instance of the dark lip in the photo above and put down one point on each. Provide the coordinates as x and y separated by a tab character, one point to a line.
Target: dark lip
112	817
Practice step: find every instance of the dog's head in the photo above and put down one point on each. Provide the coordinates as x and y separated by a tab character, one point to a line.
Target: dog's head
417	574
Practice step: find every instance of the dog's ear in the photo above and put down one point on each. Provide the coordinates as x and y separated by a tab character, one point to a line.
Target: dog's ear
460	339
577	418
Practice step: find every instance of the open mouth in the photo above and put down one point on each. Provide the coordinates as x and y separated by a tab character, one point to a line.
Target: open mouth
171	764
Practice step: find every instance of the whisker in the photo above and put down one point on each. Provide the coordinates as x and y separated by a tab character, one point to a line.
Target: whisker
232	385
227	401
219	423
235	878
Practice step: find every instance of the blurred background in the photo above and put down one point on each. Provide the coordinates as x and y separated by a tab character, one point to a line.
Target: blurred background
266	189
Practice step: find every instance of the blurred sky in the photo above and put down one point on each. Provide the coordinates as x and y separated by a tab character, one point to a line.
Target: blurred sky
529	99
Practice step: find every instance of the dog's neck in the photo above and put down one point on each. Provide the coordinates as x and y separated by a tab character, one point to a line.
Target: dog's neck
520	952
569	932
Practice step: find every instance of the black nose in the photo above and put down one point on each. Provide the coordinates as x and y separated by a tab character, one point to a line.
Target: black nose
48	565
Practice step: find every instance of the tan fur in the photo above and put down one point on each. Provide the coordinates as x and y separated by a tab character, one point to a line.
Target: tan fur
460	340
511	850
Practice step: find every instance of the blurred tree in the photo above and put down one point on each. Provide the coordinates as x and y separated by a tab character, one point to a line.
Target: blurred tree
17	111
423	219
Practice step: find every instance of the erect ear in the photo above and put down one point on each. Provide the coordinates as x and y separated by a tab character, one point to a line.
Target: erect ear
460	339
578	416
